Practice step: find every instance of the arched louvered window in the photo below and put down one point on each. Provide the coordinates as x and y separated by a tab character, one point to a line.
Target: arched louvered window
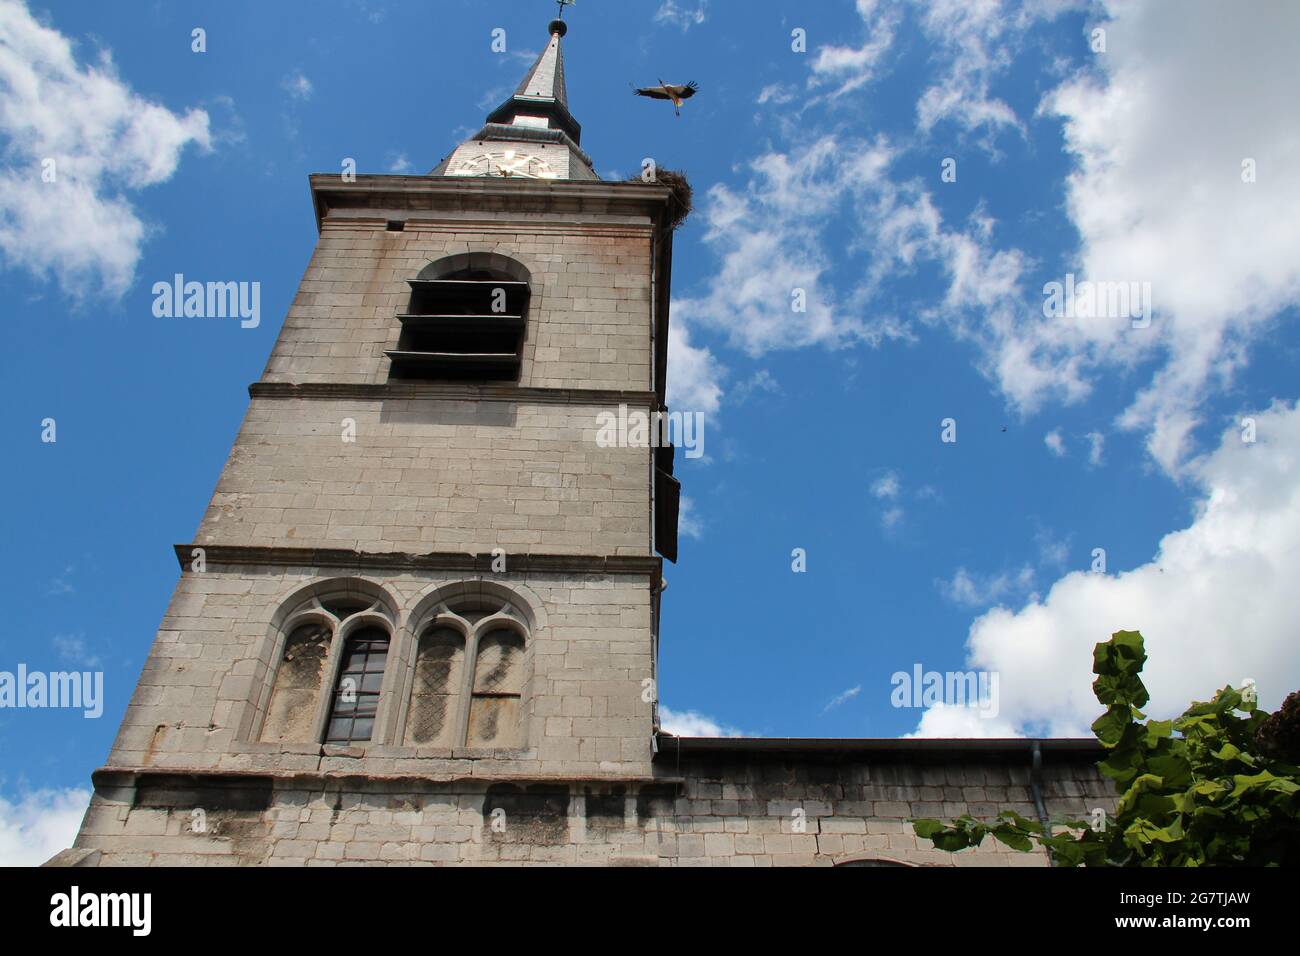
466	319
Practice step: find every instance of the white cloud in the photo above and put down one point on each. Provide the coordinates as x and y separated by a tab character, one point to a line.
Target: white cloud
760	381
487	101
1181	96
886	486
39	825
399	164
776	93
1096	446
682	15
1055	443
768	291
1217	602
842	697
970	589
974	42
770	239
971	42
848	68
73	649
689	523
297	86
956	720
694	375
690	723
375	13
1052	551
104	140
982	303
892	517
1157	127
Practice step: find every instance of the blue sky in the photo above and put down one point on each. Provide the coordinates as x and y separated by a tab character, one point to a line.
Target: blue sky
818	170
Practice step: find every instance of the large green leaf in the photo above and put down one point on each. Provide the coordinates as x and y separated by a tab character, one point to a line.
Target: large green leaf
1183	798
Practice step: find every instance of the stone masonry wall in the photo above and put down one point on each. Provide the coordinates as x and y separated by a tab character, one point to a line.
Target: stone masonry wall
587	654
430	475
739	811
589	317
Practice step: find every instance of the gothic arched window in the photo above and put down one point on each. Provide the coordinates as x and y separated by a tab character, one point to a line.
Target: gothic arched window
435	688
498	682
469	676
335	639
356	691
292	710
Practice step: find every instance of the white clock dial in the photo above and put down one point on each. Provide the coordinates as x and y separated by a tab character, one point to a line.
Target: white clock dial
506	163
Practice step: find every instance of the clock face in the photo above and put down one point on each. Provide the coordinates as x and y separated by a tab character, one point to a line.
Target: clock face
507	163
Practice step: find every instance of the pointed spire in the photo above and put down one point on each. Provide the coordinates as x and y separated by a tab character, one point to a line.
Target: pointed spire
546	78
533	130
542	94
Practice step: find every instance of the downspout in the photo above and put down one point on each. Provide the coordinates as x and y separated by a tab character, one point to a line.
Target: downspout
656	587
1036	788
654	366
656	590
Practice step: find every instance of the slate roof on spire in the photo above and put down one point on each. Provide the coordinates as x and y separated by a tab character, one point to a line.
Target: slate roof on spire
546	78
542	92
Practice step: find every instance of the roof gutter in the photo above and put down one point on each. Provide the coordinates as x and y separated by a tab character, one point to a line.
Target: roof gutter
1004	747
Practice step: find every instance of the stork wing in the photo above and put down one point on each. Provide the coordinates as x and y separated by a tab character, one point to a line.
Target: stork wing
686	91
654	92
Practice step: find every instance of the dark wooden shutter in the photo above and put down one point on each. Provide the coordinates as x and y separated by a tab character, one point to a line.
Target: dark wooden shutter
668	499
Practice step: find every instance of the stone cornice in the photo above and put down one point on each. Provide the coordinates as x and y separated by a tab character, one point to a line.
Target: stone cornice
452	391
228	555
112	777
490	195
348	224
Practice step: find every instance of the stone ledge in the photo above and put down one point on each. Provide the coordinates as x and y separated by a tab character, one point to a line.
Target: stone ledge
124	777
464	392
218	555
76	856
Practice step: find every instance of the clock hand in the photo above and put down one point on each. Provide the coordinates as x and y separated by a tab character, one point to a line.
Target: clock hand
515	166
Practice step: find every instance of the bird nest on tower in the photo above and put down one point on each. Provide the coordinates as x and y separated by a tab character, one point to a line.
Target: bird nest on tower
680	206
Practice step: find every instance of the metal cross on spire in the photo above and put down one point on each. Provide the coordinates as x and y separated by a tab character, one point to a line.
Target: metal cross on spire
562	4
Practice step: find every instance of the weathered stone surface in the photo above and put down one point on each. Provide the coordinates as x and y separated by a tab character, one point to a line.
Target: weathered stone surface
636	822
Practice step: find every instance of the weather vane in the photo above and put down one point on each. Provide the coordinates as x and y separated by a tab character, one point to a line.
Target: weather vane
562	4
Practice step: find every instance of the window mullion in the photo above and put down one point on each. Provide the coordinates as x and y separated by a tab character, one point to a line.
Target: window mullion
467	698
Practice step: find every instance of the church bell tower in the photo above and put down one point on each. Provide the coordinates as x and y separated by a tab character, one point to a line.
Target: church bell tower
418	620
